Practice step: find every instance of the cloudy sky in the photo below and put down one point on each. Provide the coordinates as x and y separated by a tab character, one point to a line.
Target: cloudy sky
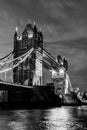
64	25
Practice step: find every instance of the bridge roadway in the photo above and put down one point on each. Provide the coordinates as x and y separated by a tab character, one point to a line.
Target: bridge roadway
14	87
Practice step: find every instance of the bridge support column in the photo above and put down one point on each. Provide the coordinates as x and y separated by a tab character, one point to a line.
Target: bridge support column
5	76
66	85
37	77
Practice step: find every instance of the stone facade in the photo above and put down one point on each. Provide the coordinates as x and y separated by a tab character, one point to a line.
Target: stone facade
30	38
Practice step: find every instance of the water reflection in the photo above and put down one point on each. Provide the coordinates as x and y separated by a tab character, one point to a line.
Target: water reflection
63	118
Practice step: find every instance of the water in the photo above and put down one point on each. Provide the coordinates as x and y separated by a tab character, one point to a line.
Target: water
62	118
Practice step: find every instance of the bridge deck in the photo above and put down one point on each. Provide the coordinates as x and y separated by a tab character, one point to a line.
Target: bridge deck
15	87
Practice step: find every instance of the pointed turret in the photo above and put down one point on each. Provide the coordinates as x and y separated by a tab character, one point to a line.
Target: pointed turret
35	30
15	40
16	32
40	38
41	35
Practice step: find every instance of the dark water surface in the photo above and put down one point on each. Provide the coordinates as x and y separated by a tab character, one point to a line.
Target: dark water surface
62	118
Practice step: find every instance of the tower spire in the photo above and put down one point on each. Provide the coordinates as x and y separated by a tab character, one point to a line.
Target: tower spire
16	32
35	30
16	29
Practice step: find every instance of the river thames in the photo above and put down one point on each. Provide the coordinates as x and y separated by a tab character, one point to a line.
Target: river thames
61	118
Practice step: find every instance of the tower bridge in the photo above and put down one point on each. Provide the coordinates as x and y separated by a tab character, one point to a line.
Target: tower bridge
22	69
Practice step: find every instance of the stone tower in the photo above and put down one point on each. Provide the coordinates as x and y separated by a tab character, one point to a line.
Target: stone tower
30	71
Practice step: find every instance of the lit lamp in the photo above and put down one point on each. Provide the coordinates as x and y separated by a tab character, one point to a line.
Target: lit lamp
30	34
61	72
54	74
16	29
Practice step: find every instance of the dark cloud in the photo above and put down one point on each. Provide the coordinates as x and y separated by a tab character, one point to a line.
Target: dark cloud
70	17
58	18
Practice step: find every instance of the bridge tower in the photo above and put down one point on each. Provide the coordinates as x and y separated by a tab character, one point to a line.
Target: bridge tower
30	71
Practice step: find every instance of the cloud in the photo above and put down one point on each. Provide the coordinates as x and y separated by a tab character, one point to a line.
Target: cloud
69	17
58	18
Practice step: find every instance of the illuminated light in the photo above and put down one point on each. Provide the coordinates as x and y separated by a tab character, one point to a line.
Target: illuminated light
60	96
54	74
77	89
36	80
16	29
30	34
38	64
66	86
58	117
44	55
26	82
71	89
19	38
61	72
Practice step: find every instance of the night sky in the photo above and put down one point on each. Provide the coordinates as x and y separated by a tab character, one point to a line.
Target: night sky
64	26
